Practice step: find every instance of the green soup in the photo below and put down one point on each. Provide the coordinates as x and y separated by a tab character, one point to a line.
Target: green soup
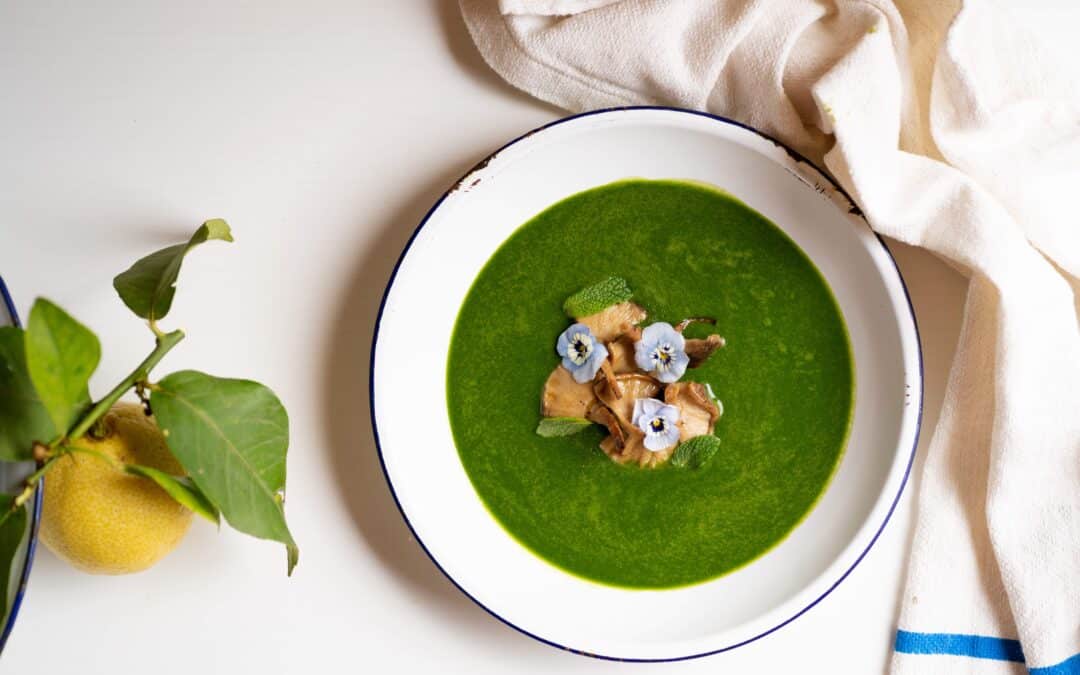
785	379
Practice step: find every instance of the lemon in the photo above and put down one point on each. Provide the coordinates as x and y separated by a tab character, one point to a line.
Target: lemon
102	520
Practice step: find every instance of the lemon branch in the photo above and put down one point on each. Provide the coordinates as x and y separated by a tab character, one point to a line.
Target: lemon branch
29	485
47	455
165	342
47	459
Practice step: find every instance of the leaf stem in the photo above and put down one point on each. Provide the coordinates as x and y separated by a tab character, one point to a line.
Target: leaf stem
29	485
31	482
165	342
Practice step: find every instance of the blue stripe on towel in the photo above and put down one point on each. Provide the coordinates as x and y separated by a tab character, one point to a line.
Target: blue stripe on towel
976	646
1070	666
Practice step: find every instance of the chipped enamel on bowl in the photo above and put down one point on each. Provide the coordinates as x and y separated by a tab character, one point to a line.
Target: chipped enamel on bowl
421	463
11	475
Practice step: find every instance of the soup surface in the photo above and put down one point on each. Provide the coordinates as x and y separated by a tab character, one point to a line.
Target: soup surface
785	379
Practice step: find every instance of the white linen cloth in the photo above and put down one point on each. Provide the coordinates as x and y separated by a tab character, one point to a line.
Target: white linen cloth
956	129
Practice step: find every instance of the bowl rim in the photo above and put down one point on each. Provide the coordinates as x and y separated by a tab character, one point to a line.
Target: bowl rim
35	515
853	209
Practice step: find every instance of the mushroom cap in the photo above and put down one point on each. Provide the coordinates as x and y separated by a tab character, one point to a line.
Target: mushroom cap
610	323
564	397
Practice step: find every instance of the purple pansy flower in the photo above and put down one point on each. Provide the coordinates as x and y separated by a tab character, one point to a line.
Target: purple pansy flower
658	421
661	351
582	353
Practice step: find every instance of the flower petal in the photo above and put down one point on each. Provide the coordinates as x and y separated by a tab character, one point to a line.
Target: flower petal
651	407
671	435
663	440
562	345
642	355
671	413
675	370
661	332
587	371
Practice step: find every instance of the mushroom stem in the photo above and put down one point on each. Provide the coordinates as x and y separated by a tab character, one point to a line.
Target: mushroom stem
681	326
602	415
609	375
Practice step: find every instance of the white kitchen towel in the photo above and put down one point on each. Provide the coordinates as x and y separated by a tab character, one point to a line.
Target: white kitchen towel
956	128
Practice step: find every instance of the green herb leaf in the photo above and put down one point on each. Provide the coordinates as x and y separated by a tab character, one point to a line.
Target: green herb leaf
61	353
12	536
695	452
599	296
148	286
23	418
550	427
183	490
231	436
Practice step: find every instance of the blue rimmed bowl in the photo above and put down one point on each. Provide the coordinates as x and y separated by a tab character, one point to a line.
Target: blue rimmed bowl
412	421
11	476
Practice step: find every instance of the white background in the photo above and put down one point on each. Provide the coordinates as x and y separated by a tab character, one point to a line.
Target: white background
322	131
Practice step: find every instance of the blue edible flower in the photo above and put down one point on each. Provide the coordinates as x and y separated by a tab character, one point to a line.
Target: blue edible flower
661	351
658	421
582	353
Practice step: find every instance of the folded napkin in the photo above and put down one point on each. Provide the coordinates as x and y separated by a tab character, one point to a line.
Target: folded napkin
956	129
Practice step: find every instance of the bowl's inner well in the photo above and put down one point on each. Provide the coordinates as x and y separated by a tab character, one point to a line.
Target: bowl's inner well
785	380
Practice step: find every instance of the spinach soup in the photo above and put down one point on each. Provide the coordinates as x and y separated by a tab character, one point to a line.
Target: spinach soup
649	384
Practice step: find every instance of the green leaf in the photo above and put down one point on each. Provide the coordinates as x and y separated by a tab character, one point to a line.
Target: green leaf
599	296
550	427
12	535
148	286
292	556
695	452
61	354
183	490
23	418
231	436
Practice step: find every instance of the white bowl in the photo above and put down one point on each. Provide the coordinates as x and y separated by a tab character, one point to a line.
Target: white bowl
408	375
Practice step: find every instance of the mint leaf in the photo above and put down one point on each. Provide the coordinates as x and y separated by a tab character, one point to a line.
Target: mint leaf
695	452
12	535
61	353
23	418
550	427
231	436
183	490
148	286
597	297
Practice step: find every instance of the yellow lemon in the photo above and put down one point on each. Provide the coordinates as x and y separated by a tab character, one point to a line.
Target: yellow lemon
102	520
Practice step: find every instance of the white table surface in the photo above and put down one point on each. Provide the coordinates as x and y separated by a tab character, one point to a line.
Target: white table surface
322	130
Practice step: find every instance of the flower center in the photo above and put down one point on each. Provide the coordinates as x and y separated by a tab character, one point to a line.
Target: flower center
662	356
658	424
581	347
